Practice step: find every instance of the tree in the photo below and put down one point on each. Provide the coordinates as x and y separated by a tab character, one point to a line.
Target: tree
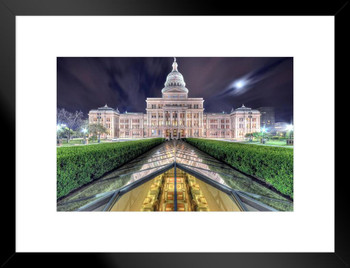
64	132
257	135
73	121
97	130
249	135
84	126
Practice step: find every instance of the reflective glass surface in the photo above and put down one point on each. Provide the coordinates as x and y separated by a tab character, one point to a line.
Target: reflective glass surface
186	155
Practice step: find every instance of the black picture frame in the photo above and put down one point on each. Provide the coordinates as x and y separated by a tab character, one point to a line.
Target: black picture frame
9	9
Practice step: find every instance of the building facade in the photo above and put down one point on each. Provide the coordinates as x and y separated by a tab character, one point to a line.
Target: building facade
175	116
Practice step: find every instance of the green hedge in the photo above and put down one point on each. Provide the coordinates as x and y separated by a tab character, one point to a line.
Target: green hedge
79	165
273	165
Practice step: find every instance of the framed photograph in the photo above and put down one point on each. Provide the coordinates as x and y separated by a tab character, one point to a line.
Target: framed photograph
219	124
162	149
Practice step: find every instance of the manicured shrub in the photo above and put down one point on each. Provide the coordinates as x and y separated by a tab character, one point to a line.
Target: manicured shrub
79	165
274	165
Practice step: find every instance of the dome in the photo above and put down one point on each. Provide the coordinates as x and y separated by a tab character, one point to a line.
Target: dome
105	108
243	108
175	81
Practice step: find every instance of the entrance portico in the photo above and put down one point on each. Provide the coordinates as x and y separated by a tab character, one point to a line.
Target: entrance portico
174	133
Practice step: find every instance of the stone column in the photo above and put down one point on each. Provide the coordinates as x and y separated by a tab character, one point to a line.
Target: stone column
163	128
207	130
157	124
131	133
251	124
141	126
185	123
178	123
178	118
149	124
237	124
191	125
200	124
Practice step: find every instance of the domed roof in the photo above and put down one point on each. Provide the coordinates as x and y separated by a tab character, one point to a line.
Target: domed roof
175	81
105	108
243	108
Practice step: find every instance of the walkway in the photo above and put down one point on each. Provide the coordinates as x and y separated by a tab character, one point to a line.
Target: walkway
159	158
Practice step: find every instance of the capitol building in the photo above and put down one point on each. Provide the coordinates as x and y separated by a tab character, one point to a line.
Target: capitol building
175	115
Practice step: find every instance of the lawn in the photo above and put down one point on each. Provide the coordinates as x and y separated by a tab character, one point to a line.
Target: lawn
270	142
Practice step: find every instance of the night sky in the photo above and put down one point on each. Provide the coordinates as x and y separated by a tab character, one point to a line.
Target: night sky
88	83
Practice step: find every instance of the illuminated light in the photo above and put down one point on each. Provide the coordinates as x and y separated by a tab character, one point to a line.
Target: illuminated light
290	127
240	84
59	127
263	130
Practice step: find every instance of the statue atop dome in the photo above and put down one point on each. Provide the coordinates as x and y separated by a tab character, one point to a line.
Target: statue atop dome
175	65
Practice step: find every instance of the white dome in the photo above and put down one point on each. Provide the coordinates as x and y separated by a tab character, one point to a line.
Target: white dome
175	81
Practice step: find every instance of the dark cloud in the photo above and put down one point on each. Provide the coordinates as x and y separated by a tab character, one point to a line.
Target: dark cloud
87	83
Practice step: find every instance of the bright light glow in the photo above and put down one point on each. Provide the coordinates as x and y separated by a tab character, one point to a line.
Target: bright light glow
58	127
240	84
263	130
84	130
290	127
